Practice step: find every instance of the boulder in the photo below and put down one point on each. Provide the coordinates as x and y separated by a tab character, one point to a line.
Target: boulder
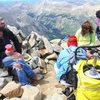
32	39
43	52
53	56
64	44
31	93
56	96
47	45
15	99
11	90
3	82
56	41
56	48
35	52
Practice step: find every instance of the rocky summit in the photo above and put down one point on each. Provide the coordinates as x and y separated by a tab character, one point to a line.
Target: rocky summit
41	56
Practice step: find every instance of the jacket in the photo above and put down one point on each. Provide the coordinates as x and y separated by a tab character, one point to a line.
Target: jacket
8	36
87	39
62	64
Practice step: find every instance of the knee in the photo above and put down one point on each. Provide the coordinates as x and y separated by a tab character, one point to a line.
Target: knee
17	65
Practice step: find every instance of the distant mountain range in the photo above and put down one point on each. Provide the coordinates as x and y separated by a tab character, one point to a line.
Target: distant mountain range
52	18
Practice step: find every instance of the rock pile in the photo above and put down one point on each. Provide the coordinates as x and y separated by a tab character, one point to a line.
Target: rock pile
40	54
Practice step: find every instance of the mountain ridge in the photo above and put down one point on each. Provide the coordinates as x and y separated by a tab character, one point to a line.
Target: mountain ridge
52	18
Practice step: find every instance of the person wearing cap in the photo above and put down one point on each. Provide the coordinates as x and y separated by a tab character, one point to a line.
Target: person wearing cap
98	24
85	35
15	60
62	64
6	37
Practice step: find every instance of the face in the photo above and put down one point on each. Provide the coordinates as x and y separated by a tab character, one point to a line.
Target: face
86	30
8	53
1	34
2	24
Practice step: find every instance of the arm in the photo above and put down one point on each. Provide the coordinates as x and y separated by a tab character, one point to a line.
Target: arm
14	39
77	34
93	38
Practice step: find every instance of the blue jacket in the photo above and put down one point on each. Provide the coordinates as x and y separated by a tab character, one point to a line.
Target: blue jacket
63	61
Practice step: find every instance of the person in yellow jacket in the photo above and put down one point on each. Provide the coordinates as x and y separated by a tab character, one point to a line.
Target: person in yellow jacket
85	35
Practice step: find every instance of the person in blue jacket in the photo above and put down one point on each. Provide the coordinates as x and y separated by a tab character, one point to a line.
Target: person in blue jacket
62	64
16	61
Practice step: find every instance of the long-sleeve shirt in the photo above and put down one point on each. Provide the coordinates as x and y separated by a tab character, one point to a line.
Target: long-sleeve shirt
87	39
8	36
62	64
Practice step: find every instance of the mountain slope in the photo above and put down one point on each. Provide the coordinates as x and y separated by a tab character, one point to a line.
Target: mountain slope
52	18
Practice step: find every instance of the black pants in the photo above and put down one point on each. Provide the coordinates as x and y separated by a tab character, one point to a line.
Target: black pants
71	78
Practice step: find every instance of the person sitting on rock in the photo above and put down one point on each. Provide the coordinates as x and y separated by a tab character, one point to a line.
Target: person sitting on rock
16	61
6	37
62	67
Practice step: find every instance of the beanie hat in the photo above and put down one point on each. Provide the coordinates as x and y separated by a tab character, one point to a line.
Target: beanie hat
72	41
98	14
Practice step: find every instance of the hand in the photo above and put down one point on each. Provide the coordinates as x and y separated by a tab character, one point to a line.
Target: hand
17	65
89	55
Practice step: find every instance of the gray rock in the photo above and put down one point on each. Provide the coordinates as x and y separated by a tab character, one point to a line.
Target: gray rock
56	41
46	60
32	39
56	96
39	44
34	62
35	52
43	52
9	78
12	99
64	44
48	46
37	70
56	48
53	56
13	29
52	62
3	82
4	72
25	45
41	63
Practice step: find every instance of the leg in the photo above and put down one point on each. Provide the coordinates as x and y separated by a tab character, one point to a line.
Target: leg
23	79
